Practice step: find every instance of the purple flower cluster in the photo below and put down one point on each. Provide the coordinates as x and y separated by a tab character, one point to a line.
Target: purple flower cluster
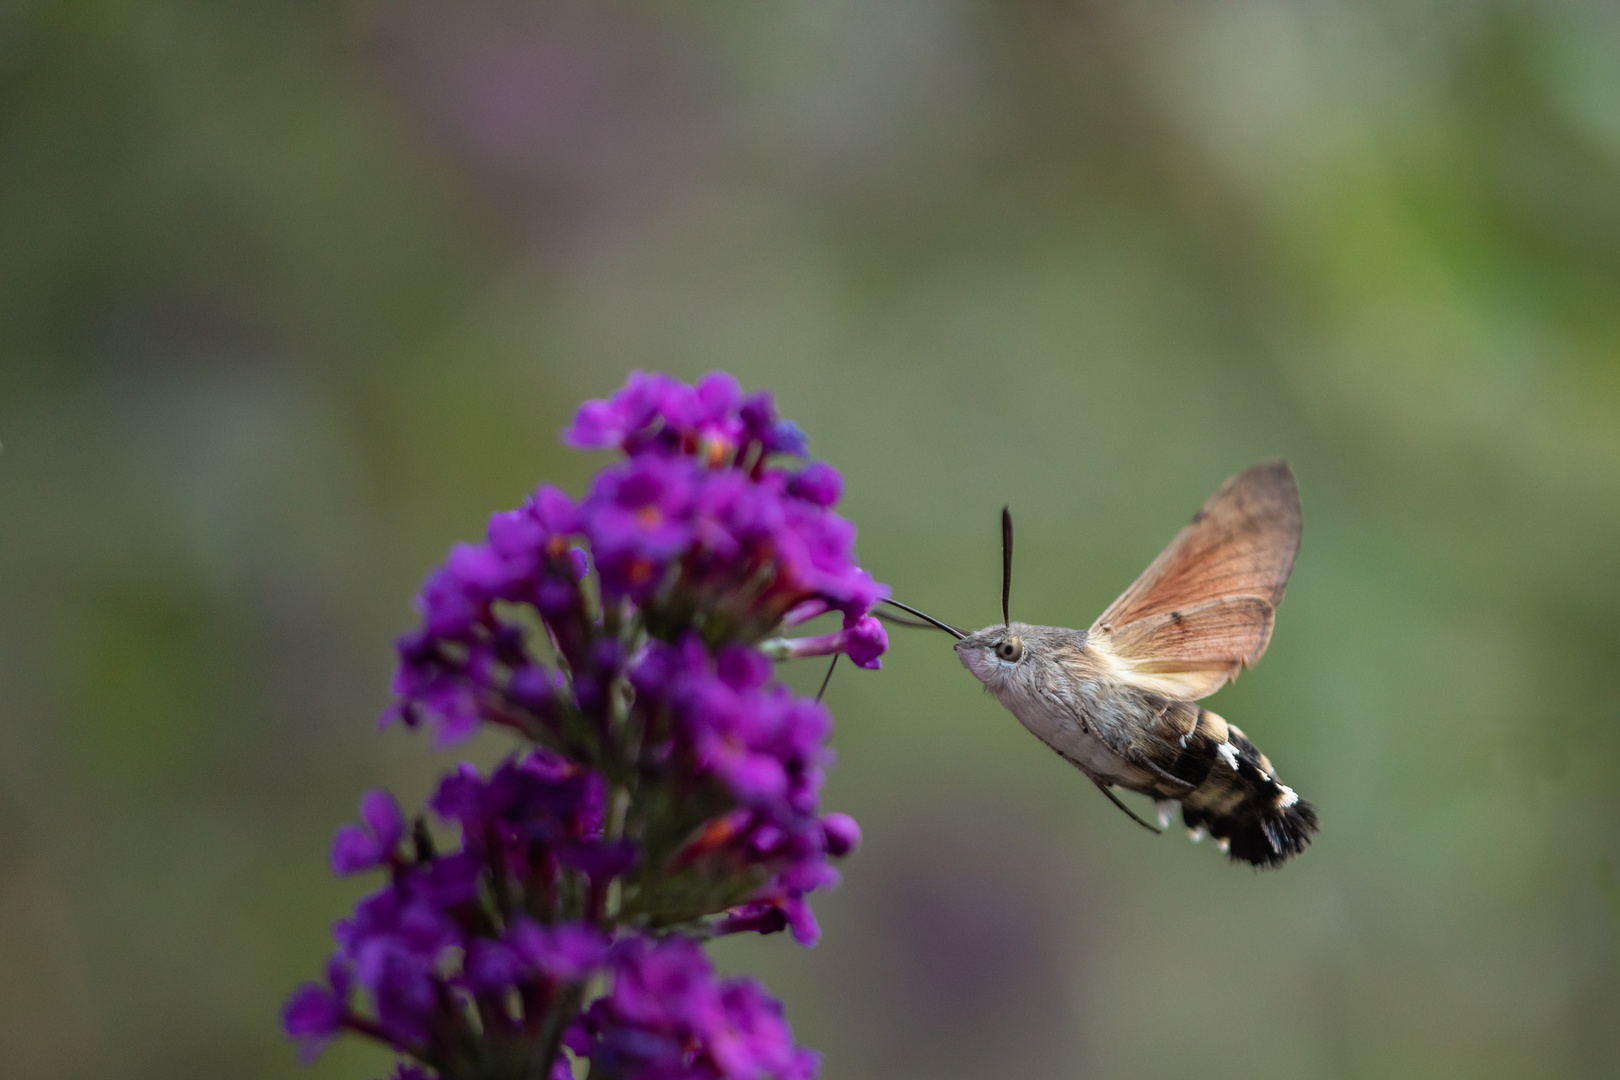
667	1018
456	950
660	415
697	529
669	789
724	721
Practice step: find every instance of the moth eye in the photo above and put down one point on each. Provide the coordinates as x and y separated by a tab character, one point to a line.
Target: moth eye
1010	650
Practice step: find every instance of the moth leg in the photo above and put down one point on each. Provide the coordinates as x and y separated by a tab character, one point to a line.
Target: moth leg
1102	787
1134	755
828	678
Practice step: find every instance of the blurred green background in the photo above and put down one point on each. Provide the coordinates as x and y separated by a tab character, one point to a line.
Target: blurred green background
293	295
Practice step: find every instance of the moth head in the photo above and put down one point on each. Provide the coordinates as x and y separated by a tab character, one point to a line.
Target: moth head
995	653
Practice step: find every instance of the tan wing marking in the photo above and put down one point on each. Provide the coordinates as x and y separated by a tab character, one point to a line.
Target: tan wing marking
1182	680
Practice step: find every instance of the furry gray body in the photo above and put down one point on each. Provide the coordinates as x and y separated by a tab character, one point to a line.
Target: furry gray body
1072	695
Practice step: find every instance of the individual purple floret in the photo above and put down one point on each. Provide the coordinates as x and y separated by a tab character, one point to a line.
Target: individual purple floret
314	1014
843	834
355	849
863	640
666	788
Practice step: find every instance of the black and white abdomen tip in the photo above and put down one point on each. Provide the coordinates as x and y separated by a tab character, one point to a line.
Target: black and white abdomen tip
1253	816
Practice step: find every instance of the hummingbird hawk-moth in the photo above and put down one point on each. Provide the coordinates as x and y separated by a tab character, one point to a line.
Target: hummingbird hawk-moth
1119	700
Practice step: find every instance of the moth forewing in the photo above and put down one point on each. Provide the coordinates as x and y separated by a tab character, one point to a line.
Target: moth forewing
1242	543
1203	611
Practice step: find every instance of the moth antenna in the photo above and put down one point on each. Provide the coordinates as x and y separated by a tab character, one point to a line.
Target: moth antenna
1102	787
828	677
1006	563
929	619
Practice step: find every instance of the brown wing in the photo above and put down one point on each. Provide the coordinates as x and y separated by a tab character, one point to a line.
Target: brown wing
1203	610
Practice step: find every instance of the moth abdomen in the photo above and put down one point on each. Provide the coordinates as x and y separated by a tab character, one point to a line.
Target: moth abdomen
1256	817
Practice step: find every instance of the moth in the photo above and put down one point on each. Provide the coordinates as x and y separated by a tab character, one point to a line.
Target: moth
1119	700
